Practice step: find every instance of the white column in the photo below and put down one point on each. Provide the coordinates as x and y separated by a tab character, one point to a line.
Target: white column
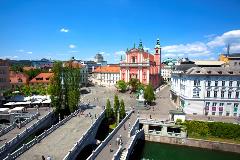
140	76
148	76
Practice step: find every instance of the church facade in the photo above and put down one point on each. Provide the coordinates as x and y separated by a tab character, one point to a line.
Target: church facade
142	65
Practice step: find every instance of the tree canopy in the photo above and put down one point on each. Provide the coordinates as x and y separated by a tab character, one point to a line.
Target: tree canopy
149	95
121	85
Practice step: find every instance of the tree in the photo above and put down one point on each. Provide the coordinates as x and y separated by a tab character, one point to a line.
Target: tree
109	112
32	73
121	85
122	110
56	87
134	84
149	95
116	106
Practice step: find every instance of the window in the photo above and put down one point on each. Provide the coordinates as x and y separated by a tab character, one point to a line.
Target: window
222	94
216	83
235	107
195	93
213	108
207	104
196	82
230	83
209	83
220	113
214	104
235	63
213	113
237	94
133	59
238	83
208	93
229	94
235	114
223	83
221	104
227	113
215	94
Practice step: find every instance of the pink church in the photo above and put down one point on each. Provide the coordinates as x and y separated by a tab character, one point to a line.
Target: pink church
142	65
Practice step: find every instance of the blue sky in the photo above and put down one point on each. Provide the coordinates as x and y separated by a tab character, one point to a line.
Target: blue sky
60	29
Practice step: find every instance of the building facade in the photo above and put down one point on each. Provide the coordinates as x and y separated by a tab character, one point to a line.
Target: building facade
232	60
106	75
18	79
207	91
166	72
142	65
4	76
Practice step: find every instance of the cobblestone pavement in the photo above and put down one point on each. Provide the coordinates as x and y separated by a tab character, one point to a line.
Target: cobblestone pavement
106	154
59	142
13	133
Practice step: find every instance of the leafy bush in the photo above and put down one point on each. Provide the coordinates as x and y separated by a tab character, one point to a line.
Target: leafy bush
214	129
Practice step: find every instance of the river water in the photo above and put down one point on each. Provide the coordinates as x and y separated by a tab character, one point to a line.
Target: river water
159	151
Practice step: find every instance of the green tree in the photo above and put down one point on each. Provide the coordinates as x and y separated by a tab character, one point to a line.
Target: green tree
109	110
121	85
122	110
32	73
149	94
56	87
116	106
134	83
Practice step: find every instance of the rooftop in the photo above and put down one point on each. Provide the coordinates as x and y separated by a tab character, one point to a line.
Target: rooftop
42	78
213	71
208	63
108	69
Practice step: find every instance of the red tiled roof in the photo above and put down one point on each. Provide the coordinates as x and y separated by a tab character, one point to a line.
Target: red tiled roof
74	64
42	78
108	69
18	78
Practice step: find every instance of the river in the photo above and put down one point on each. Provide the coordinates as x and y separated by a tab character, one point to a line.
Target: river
159	151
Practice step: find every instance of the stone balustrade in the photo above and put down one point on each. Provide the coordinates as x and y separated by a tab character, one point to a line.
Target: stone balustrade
8	146
84	140
117	155
14	124
37	139
134	128
109	137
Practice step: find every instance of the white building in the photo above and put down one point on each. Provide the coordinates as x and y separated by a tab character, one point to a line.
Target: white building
207	91
106	75
166	72
84	75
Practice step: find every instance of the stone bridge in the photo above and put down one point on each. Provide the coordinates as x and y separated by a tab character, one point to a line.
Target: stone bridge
65	139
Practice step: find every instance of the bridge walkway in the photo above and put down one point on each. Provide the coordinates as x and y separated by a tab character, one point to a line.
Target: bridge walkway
59	142
105	153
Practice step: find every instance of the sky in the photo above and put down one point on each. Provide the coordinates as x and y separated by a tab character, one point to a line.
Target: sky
61	29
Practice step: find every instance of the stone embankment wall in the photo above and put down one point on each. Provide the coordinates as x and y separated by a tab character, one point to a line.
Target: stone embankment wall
214	145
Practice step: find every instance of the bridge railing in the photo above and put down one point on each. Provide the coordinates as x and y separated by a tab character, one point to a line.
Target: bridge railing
109	137
134	128
19	137
117	155
25	147
75	150
14	125
139	134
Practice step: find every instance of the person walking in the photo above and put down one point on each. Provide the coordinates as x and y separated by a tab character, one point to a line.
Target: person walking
110	147
49	158
43	158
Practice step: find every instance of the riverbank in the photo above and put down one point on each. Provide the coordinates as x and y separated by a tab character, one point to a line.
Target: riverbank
199	143
161	151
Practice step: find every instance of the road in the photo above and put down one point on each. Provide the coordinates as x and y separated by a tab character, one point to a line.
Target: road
59	142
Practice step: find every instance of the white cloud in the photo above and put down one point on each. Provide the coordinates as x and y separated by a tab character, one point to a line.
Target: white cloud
120	53
9	57
64	30
73	51
29	52
20	50
72	46
186	50
231	37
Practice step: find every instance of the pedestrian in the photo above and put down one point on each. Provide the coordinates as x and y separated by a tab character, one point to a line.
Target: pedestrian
124	126
153	109
43	158
49	158
150	116
110	147
95	116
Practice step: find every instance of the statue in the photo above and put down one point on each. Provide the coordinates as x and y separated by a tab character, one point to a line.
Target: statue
140	100
141	95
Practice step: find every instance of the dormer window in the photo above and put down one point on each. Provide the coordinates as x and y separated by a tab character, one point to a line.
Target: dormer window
197	71
231	72
209	72
219	72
